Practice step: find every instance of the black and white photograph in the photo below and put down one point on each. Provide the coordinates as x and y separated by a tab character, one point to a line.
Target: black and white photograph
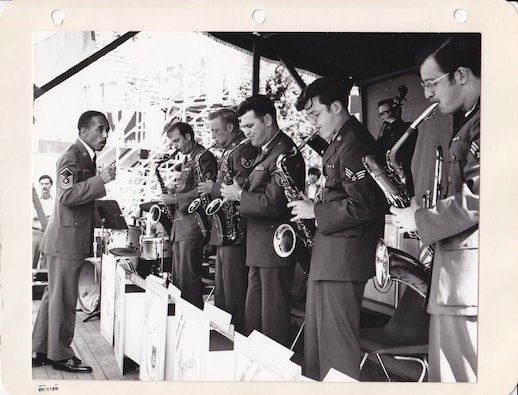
320	185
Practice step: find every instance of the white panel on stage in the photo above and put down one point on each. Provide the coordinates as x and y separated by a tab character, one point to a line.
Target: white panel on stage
192	342
254	362
107	296
152	359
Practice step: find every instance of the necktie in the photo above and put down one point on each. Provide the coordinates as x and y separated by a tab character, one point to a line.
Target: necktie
94	159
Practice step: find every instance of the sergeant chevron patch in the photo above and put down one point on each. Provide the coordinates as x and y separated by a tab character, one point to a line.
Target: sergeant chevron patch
247	163
475	149
353	177
66	178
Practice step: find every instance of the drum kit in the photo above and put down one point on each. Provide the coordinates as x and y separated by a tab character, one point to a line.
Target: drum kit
143	253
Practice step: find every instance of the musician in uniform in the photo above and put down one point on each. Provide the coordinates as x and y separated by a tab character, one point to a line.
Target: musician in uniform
393	127
451	77
263	203
67	241
350	221
236	163
187	235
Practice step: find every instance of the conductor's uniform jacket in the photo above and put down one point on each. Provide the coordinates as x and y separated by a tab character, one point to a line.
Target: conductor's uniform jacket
68	239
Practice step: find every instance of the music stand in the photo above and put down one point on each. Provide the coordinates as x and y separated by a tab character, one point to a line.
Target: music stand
107	214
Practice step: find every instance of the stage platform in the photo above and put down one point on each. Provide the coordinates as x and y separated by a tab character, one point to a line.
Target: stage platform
95	351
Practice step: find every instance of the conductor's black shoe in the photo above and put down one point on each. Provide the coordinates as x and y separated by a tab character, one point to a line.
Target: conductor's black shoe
73	364
40	359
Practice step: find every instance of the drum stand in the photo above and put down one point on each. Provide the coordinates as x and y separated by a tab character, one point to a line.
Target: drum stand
97	311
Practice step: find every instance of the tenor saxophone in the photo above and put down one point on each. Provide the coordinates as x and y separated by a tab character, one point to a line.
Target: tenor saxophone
156	210
285	236
199	205
225	215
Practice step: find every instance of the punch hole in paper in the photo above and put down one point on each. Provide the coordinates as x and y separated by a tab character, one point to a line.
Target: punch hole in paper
460	15
57	17
258	16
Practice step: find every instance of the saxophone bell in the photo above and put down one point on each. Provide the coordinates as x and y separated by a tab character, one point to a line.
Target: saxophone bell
284	240
396	265
214	206
193	207
155	212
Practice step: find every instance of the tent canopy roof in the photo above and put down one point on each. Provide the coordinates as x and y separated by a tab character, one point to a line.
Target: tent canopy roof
362	56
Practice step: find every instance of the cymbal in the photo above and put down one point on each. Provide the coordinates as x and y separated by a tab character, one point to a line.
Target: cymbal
125	252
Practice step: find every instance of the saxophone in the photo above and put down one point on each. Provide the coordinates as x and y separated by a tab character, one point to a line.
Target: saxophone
156	210
227	219
285	236
392	263
199	205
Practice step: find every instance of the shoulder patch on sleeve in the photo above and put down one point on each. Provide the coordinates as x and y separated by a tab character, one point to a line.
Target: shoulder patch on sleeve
247	163
66	178
352	176
474	148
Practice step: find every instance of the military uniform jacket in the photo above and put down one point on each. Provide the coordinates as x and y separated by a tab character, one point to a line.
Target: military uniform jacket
264	204
242	162
350	216
185	226
70	230
453	225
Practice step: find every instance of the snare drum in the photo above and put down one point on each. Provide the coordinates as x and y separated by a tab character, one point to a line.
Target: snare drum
155	248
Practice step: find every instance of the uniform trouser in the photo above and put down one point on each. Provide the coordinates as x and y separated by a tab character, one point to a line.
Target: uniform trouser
268	302
332	329
187	264
231	282
55	324
452	348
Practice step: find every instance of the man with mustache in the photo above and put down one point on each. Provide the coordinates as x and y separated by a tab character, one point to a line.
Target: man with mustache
67	241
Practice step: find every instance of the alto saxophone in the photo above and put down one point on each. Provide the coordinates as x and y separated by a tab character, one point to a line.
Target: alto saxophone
284	238
157	210
227	218
199	205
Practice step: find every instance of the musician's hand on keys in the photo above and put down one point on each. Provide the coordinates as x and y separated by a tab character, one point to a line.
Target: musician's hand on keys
231	192
205	188
302	209
404	218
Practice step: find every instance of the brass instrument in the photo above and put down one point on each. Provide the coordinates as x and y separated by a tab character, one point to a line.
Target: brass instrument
156	210
396	265
393	264
225	215
199	205
285	236
391	178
